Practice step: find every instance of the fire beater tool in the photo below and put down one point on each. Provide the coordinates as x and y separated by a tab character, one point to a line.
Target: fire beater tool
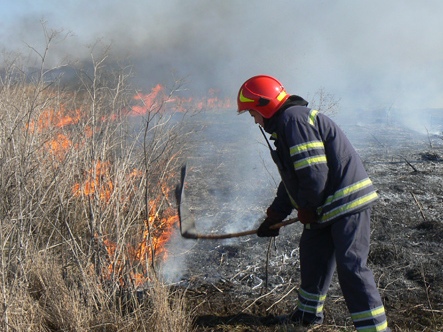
187	221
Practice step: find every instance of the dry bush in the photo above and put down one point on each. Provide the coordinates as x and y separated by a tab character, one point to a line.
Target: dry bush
19	312
65	305
324	102
48	299
170	312
85	195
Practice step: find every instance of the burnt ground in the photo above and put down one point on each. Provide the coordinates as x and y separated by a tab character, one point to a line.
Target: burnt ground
233	285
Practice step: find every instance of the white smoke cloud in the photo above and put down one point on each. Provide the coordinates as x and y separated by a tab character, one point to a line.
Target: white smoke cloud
367	53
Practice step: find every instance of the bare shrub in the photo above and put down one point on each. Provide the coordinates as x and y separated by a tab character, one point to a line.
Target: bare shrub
85	199
170	312
64	303
324	102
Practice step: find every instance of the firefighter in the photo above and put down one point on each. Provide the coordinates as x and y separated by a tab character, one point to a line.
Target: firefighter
323	178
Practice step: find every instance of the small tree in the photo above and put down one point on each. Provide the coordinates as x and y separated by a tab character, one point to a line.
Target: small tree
85	181
324	102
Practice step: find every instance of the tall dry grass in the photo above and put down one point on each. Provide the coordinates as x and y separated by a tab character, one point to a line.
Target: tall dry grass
84	199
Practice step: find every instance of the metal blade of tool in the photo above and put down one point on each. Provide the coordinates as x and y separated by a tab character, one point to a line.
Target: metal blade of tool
186	219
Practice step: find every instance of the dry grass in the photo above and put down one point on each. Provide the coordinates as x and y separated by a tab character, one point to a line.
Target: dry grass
85	200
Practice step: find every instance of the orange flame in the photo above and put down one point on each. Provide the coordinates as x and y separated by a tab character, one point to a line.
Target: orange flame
130	264
156	97
59	146
148	101
97	181
135	259
131	261
52	118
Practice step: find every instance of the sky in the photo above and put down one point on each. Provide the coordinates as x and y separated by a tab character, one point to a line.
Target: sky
368	54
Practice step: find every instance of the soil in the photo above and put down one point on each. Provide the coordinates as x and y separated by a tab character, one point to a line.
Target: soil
234	285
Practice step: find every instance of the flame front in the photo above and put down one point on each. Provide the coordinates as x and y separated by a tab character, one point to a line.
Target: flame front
132	264
98	185
54	118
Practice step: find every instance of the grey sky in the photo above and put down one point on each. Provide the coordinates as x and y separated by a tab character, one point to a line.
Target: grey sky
374	53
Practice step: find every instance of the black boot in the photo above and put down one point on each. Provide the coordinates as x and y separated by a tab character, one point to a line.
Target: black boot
296	318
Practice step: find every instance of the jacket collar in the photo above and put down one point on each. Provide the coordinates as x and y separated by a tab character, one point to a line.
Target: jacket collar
270	125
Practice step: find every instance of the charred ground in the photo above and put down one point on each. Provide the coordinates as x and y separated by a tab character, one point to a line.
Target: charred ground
233	285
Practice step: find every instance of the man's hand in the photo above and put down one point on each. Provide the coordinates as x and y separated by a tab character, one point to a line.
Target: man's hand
272	218
307	216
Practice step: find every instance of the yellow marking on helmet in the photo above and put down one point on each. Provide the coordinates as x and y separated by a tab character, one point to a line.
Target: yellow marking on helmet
243	99
282	95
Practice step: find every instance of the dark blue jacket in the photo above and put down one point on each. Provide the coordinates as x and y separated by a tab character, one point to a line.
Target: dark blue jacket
319	167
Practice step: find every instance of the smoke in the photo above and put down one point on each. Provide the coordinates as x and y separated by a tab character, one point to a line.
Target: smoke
368	54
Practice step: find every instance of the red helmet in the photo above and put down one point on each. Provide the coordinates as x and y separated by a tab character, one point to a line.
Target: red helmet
263	94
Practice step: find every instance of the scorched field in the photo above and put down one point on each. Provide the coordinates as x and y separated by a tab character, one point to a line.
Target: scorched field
235	284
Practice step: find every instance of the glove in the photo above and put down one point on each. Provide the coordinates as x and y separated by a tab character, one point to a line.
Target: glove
272	218
307	216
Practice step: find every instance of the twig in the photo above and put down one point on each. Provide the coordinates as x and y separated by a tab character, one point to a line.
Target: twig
262	296
281	298
257	286
55	245
240	272
217	288
381	144
432	310
426	289
419	206
429	138
412	166
267	263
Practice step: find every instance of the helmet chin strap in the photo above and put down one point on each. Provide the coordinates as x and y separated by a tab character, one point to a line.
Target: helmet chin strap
274	154
266	139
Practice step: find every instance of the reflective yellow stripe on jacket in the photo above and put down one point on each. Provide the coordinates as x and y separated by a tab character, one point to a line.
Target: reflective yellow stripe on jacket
349	206
319	158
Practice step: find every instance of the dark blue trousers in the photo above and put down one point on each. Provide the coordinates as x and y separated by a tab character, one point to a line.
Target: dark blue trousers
341	246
